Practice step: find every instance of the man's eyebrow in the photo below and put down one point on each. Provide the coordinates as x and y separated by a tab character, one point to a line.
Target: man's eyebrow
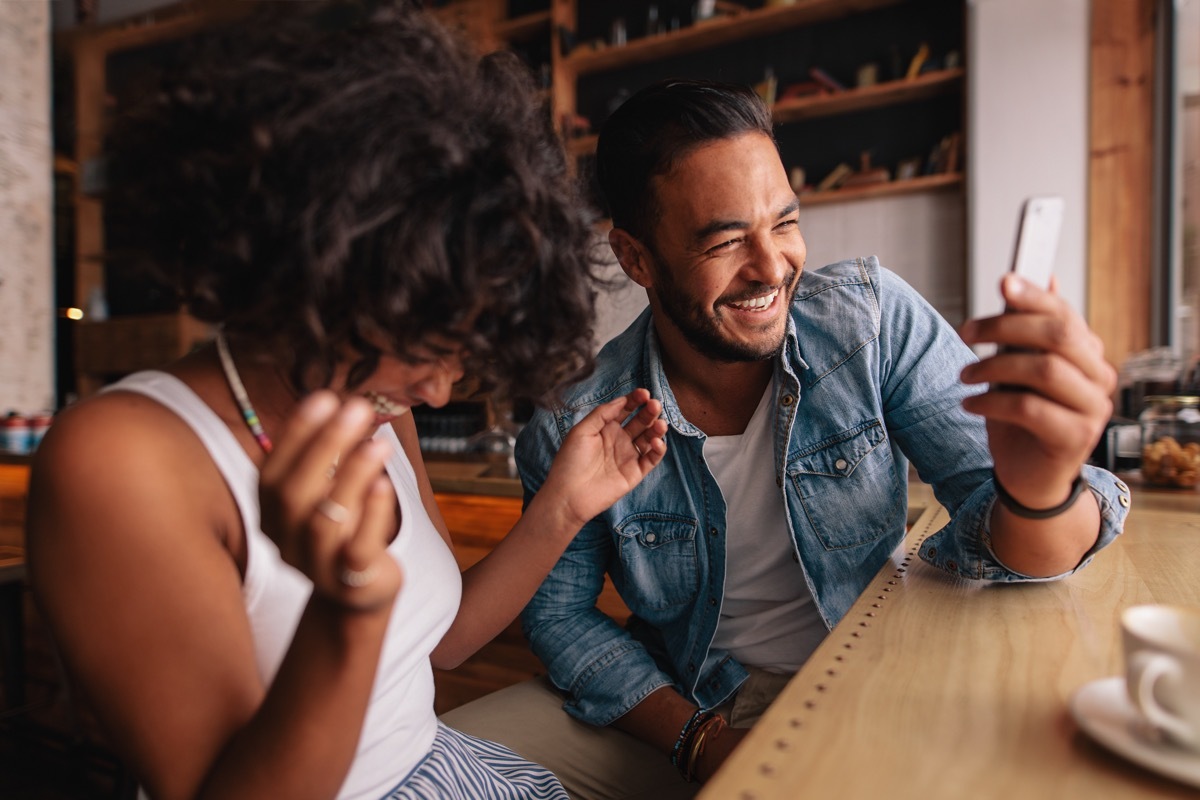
722	225
719	226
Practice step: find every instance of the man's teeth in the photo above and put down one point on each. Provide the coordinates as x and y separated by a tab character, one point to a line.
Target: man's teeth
758	303
384	406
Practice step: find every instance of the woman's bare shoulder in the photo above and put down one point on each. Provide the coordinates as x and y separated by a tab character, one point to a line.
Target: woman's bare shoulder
116	465
107	433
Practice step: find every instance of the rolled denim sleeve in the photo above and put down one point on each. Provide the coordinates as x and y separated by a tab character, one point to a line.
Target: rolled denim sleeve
602	668
921	359
964	546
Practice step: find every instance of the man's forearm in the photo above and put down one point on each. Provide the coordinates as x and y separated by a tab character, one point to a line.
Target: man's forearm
658	719
1042	548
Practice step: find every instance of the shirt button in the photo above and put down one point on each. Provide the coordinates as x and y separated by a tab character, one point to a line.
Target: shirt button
1124	501
712	601
931	552
952	566
650	537
787	400
691	667
840	463
714	531
1121	485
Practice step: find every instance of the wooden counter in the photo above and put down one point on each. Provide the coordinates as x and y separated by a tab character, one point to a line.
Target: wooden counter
473	477
936	687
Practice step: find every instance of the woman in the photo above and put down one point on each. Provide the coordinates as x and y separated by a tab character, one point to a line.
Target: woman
240	556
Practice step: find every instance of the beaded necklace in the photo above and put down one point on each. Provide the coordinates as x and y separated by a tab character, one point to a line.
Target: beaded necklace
239	394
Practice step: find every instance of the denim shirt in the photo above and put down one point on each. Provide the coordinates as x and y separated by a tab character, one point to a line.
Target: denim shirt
868	379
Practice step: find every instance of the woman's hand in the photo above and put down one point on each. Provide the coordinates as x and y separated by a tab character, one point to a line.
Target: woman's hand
328	505
600	460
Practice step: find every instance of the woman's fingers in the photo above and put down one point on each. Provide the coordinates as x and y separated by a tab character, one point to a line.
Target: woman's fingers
363	569
299	469
645	419
322	457
348	487
326	501
312	412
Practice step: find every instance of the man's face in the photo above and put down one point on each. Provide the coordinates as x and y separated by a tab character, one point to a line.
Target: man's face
727	251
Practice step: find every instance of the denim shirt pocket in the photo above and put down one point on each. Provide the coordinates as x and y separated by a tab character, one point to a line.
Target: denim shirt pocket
846	482
658	558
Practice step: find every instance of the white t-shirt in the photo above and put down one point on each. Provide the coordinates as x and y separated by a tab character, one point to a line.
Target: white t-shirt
768	617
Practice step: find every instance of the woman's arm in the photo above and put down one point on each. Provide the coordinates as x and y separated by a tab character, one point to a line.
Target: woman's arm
130	526
600	460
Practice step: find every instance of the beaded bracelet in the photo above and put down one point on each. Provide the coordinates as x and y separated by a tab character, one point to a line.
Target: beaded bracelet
704	732
684	743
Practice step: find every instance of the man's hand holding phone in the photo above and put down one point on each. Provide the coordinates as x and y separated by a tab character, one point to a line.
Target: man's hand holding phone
1050	388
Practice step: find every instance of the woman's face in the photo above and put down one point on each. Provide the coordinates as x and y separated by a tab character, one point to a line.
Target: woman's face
399	383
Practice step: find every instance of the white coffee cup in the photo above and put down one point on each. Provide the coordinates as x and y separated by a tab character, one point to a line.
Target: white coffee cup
1162	668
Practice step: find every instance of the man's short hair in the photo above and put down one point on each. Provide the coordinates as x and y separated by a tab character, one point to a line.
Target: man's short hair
655	128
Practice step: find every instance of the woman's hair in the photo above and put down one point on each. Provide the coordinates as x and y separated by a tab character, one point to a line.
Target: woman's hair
655	128
318	176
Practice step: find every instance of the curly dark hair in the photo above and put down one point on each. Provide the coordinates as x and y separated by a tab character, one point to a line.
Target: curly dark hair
322	175
655	128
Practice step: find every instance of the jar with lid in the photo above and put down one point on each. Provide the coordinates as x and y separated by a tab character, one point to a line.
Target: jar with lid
1171	440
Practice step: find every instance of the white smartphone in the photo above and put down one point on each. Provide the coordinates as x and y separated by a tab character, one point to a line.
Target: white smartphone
1037	239
1037	244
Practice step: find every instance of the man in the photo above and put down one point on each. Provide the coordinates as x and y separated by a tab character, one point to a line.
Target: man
795	400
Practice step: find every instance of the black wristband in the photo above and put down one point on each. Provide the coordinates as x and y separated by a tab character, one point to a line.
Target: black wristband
1010	502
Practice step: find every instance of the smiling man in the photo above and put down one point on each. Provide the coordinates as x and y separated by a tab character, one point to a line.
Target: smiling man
795	400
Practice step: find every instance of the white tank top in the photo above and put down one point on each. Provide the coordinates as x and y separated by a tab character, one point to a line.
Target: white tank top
400	723
768	617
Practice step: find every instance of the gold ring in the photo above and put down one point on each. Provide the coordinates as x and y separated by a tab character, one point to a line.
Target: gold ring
333	510
357	578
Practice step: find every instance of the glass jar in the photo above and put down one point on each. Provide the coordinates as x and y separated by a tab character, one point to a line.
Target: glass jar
1171	440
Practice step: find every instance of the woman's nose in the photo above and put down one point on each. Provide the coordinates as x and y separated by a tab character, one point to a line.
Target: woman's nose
436	388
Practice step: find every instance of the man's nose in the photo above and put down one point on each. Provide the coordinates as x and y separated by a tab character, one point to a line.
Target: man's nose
769	263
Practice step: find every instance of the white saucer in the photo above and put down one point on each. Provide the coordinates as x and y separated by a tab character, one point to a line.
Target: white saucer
1102	708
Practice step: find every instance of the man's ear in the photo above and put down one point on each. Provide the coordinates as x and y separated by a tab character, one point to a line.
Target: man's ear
632	256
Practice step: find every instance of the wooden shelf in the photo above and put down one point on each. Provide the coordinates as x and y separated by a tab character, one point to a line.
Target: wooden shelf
928	85
125	344
922	87
172	22
583	145
524	28
717	32
64	165
925	183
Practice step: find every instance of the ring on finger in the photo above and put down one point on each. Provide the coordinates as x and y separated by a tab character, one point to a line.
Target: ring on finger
333	510
357	578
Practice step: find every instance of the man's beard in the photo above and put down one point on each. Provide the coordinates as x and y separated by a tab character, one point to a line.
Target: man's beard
701	328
